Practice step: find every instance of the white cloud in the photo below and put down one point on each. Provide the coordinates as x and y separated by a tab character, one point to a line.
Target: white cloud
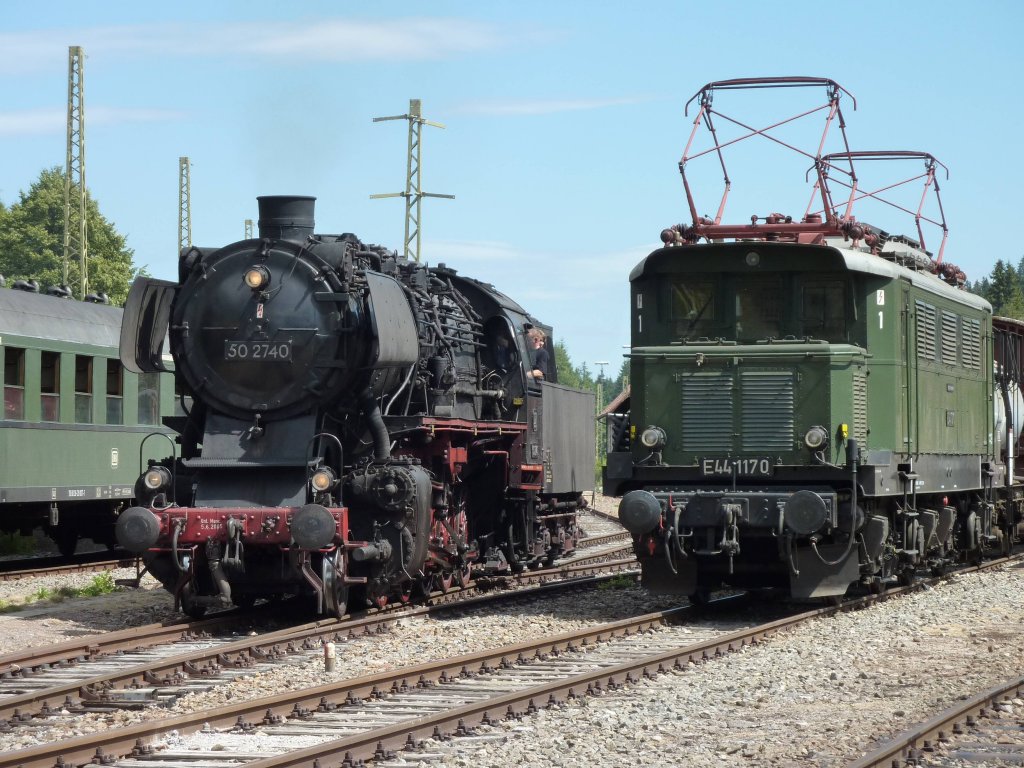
544	106
34	122
407	39
31	122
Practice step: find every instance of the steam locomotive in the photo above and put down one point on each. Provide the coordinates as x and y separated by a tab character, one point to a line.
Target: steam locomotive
360	428
815	402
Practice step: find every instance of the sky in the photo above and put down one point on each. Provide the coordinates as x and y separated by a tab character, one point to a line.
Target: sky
564	124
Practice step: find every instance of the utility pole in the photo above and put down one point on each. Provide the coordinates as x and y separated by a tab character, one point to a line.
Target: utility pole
413	191
248	229
76	233
184	204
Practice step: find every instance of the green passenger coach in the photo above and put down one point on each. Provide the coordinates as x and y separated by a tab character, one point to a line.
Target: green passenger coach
73	419
814	403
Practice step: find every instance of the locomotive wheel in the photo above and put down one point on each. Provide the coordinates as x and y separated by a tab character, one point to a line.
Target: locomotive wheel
66	539
244	601
335	590
189	605
463	575
701	597
442	582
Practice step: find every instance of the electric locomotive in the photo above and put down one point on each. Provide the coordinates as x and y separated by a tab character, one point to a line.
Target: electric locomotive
814	402
360	427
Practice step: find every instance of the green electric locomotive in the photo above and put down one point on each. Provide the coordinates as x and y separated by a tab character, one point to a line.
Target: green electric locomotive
814	404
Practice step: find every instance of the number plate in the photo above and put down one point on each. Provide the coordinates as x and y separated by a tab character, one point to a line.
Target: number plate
760	466
263	351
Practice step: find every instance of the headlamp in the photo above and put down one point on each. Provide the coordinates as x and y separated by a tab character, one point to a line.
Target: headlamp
322	480
257	277
156	478
653	438
816	438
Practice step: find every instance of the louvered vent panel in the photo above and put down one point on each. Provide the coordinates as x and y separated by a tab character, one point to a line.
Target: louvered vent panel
948	350
707	412
925	331
767	402
971	344
860	409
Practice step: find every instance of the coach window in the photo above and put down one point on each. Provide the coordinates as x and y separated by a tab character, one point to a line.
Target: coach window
83	389
149	398
14	383
49	386
115	392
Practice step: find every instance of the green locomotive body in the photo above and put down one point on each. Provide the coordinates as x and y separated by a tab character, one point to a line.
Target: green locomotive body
814	402
755	366
74	420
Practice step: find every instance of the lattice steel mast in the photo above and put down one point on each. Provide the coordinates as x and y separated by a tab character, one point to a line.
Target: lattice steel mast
413	191
76	234
184	204
248	229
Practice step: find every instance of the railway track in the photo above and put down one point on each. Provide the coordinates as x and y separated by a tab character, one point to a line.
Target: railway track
374	716
91	562
159	663
985	729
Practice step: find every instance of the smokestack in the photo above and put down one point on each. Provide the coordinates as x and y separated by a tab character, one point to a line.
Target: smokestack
286	217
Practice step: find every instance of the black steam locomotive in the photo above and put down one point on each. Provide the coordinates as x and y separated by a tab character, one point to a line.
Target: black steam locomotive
359	427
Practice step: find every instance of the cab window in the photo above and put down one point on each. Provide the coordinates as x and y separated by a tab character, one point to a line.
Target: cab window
759	303
692	308
823	310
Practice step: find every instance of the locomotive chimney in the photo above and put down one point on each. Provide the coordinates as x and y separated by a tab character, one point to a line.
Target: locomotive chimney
286	217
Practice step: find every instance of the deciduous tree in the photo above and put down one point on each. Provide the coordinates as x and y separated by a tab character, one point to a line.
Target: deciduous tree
32	242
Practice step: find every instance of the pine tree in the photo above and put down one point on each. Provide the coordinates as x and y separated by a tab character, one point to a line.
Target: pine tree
1004	282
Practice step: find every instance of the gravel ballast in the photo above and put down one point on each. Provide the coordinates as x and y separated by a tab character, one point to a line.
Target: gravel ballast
819	695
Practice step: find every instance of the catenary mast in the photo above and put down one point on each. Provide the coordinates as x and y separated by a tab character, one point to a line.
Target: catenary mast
76	241
413	192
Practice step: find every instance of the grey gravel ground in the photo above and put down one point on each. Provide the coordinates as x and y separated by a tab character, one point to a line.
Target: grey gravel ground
815	696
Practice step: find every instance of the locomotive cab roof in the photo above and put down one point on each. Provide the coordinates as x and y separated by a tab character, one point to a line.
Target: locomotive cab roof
731	256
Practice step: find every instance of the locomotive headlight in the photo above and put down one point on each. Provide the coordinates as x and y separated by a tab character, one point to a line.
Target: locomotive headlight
156	478
816	438
257	277
322	480
653	438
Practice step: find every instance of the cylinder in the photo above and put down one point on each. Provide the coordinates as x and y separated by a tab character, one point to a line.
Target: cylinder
330	657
